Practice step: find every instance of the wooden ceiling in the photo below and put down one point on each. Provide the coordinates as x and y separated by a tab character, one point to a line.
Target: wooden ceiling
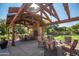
21	15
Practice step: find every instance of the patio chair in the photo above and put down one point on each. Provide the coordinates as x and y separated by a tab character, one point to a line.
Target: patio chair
68	40
71	49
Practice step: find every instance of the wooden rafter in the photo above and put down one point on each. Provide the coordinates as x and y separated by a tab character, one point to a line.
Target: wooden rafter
38	20
20	11
45	8
13	9
46	16
28	20
36	11
32	14
9	18
24	16
66	7
65	21
55	13
50	7
26	23
41	14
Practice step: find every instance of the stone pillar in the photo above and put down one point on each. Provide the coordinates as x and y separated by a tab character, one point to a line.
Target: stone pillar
40	32
35	31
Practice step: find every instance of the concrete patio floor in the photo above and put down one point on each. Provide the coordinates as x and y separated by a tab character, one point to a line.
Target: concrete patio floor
27	48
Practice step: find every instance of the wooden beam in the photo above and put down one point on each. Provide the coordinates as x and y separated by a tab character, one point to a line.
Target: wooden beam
30	14
36	11
66	7
13	35
26	24
38	20
65	21
13	9
9	18
25	16
46	16
20	11
55	13
45	8
28	20
41	15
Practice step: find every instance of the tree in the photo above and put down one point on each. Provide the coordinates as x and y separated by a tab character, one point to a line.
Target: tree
20	29
76	28
2	27
51	29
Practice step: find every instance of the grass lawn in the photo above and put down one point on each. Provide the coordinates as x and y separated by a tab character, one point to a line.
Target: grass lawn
61	37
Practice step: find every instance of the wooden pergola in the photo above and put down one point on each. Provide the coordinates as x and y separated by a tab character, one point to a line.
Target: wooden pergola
30	18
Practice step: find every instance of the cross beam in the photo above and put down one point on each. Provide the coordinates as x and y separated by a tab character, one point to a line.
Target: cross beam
20	11
66	7
55	13
65	21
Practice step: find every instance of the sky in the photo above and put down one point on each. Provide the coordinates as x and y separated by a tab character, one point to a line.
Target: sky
74	11
4	8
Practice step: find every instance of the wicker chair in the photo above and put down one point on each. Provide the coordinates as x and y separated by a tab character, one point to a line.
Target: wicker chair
71	49
68	40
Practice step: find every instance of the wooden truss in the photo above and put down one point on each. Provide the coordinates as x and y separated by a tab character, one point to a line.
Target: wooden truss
21	14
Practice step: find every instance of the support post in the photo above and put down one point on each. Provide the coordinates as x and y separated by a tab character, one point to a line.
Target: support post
13	35
8	33
43	29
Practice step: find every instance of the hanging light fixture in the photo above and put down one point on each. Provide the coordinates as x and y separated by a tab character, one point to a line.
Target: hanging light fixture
33	8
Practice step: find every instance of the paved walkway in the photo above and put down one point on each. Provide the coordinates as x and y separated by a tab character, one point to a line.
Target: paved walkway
28	48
